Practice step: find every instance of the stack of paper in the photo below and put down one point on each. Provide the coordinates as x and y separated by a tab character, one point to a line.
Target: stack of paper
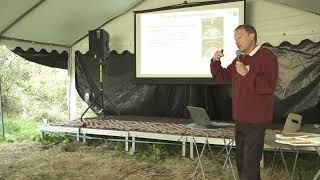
299	139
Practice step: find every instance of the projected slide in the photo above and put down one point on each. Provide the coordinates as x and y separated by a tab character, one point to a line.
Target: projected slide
212	36
180	43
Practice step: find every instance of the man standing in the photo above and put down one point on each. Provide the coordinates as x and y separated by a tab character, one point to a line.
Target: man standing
254	75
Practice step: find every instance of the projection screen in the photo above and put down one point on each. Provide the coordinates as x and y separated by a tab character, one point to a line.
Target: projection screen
175	44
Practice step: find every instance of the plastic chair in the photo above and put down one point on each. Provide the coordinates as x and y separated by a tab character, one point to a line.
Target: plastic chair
292	124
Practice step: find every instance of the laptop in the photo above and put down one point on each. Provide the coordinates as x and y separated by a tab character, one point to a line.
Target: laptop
200	117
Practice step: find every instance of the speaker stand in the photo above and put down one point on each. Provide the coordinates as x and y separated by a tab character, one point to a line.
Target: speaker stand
103	98
101	85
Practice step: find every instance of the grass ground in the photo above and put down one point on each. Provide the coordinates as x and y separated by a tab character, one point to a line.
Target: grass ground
23	155
97	160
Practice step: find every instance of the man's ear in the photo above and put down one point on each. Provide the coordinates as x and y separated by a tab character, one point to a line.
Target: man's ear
251	35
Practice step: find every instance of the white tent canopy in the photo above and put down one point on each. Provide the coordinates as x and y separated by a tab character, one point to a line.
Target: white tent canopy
59	24
55	24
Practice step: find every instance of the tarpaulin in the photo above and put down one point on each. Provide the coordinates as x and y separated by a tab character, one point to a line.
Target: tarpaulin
298	88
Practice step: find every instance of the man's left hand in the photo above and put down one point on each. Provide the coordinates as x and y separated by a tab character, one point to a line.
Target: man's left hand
241	68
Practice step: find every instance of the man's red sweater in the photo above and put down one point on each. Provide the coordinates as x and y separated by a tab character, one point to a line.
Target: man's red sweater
252	94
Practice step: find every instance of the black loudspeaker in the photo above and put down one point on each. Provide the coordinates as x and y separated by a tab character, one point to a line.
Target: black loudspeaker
99	43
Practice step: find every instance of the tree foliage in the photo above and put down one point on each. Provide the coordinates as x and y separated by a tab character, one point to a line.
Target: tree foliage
30	90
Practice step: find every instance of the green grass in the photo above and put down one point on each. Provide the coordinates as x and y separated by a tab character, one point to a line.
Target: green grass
18	130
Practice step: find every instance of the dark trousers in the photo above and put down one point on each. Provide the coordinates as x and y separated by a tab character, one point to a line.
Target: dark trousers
249	147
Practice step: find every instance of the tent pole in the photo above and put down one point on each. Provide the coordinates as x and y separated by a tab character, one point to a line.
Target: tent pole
72	96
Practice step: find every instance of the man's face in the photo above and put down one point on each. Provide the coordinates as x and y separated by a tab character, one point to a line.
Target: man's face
244	40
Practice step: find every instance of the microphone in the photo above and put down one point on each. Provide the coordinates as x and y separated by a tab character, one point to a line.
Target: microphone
238	53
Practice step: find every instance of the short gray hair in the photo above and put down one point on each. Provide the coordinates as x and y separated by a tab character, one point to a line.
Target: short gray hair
249	29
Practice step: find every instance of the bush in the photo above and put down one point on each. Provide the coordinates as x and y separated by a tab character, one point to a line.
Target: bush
31	92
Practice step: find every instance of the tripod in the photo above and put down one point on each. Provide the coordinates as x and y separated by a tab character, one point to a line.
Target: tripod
101	93
99	47
87	94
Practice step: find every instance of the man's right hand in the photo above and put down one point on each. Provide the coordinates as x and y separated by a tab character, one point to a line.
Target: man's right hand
217	55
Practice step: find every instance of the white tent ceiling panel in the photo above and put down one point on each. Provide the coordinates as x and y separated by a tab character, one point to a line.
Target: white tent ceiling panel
307	5
12	10
59	22
63	22
276	23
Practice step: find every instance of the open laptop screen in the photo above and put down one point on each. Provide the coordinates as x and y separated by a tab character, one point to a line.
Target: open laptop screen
200	117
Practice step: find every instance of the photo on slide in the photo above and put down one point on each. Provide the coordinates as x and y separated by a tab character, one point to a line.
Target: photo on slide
212	36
